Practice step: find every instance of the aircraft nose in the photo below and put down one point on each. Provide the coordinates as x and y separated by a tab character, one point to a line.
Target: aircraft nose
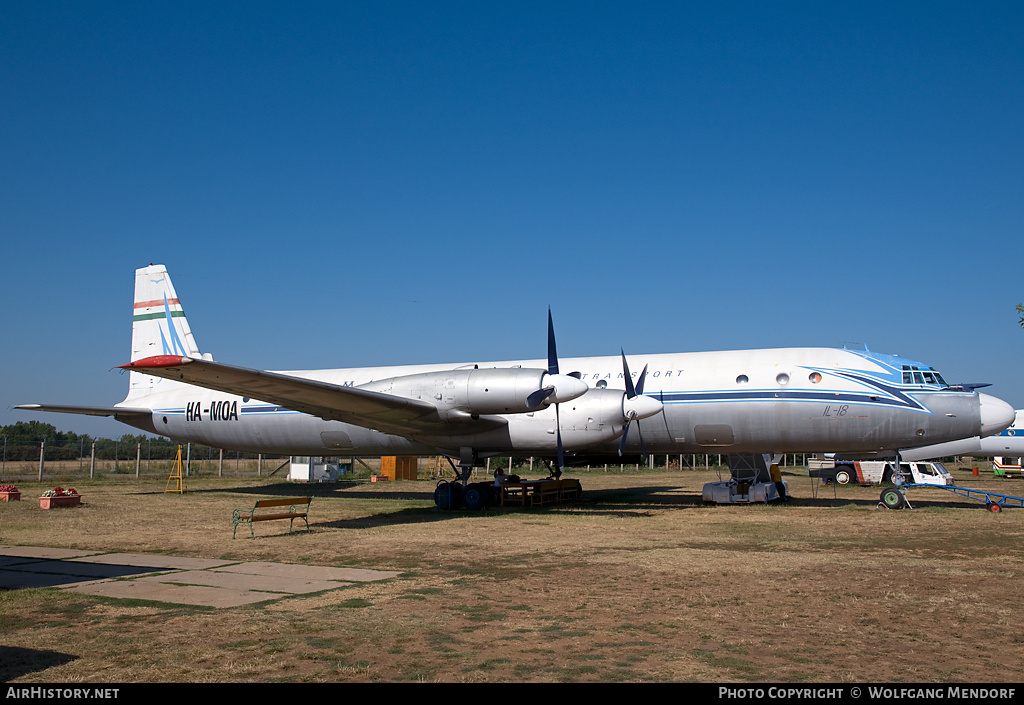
995	414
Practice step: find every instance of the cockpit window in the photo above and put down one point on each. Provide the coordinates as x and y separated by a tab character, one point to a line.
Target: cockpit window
913	375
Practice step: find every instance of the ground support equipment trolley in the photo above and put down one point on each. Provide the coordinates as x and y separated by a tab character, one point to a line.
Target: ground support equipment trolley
896	497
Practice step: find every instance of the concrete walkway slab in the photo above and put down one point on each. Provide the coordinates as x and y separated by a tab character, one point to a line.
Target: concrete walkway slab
242	581
175	594
172	579
156	561
311	572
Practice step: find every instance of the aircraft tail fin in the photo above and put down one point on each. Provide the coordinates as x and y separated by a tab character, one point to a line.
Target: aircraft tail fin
159	326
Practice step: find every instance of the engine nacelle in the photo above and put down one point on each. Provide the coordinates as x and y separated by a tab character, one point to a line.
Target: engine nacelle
498	390
599	416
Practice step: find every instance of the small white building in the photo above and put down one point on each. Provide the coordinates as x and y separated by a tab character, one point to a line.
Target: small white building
305	468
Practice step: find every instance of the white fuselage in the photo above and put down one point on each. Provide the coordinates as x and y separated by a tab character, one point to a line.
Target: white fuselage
778	400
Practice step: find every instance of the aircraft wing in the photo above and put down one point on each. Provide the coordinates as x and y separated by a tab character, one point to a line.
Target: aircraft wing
116	411
361	407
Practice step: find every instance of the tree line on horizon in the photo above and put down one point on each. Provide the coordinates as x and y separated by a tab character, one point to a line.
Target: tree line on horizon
22	440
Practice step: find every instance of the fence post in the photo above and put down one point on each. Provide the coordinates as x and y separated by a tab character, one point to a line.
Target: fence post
92	460
220	464
42	444
138	459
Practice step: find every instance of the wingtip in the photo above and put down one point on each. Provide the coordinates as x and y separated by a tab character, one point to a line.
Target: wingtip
157	361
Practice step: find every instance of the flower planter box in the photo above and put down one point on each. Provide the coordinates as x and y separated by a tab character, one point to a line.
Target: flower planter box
10	496
63	501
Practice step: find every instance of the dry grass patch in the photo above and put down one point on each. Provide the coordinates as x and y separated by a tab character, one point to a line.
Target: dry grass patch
639	582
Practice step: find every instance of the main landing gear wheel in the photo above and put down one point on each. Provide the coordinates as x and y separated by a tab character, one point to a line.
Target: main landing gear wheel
448	495
893	498
476	496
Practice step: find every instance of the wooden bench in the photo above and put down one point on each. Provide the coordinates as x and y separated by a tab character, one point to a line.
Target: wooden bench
297	508
555	492
540	492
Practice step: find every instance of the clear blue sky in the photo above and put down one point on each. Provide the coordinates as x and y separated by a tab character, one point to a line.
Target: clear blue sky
345	184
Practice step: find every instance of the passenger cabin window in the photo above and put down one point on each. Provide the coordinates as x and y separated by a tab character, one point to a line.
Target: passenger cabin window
742	379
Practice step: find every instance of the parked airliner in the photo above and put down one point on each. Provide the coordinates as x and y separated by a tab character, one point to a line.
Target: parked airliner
733	402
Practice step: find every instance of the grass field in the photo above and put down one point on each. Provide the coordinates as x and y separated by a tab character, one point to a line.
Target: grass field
640	581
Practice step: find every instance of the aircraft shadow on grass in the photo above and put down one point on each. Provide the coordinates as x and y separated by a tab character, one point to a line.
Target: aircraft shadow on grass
623	501
16	661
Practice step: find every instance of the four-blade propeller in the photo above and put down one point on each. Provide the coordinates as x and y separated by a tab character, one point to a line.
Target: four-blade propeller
636	406
558	388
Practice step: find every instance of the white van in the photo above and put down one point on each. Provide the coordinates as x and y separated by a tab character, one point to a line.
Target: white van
875	472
